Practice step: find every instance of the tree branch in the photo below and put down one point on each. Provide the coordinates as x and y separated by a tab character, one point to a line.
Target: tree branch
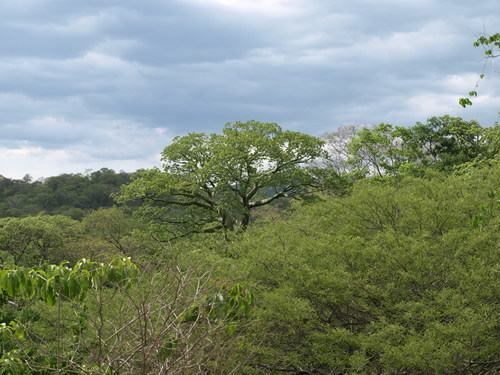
180	203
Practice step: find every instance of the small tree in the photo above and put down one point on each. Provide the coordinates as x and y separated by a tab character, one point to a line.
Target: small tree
337	145
37	239
111	225
377	151
214	181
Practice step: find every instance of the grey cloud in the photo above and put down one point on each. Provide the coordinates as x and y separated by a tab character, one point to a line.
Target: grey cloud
96	139
113	73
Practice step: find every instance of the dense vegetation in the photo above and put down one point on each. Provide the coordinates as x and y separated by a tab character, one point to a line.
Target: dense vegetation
371	251
66	194
392	279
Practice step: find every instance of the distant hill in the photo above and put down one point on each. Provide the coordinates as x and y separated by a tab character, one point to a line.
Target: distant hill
66	194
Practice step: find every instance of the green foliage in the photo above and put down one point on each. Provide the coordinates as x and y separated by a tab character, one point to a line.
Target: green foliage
442	143
232	305
61	281
107	318
392	279
37	239
214	181
377	151
491	45
54	285
112	226
445	142
395	273
66	194
10	360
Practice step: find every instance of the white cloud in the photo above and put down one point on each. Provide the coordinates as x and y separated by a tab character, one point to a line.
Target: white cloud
95	83
263	8
424	43
75	147
21	6
462	83
35	161
87	24
430	104
116	47
103	61
40	162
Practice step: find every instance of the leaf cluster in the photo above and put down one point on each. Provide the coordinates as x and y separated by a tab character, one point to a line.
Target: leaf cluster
61	281
491	45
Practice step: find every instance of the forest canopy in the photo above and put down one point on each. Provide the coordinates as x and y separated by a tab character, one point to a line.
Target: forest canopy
373	250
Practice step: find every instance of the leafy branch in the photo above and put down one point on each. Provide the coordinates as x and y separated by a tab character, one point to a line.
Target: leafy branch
491	45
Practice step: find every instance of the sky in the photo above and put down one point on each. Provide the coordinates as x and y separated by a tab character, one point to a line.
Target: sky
109	83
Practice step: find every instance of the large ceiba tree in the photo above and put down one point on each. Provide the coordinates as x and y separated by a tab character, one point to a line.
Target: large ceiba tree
214	181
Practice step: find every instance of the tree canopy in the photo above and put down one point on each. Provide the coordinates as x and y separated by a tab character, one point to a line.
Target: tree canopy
214	181
442	143
393	279
395	275
66	194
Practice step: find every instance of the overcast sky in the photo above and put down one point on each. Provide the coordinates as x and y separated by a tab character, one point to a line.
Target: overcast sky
108	83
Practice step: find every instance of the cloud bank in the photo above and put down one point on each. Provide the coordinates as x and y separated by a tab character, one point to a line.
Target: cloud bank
110	83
